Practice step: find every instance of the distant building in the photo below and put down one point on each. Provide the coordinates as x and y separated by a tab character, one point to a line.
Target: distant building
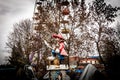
76	61
91	60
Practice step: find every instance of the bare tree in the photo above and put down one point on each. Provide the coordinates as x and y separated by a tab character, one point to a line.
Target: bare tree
18	40
103	14
118	29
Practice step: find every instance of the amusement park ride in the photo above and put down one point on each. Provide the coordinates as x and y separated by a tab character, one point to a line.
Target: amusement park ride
54	13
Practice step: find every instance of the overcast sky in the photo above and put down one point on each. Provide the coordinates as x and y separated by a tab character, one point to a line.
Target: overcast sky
13	11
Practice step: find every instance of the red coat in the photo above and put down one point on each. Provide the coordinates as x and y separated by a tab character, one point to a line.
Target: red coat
62	50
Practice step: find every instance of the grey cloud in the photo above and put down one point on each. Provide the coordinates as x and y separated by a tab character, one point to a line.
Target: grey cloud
3	56
4	10
113	2
13	6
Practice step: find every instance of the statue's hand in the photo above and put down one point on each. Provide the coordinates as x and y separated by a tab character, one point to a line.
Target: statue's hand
57	50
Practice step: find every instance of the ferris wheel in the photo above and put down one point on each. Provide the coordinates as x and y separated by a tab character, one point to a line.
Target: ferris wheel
52	16
53	13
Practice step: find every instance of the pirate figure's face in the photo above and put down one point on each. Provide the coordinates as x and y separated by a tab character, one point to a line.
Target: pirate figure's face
57	39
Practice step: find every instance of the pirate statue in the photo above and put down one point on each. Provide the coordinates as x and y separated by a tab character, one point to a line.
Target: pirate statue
58	50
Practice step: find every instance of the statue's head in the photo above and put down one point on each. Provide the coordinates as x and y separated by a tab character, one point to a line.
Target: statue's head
58	37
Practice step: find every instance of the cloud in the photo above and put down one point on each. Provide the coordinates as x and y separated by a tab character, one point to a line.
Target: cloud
113	2
3	57
12	11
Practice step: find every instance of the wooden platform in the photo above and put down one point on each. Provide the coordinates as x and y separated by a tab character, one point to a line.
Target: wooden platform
56	67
